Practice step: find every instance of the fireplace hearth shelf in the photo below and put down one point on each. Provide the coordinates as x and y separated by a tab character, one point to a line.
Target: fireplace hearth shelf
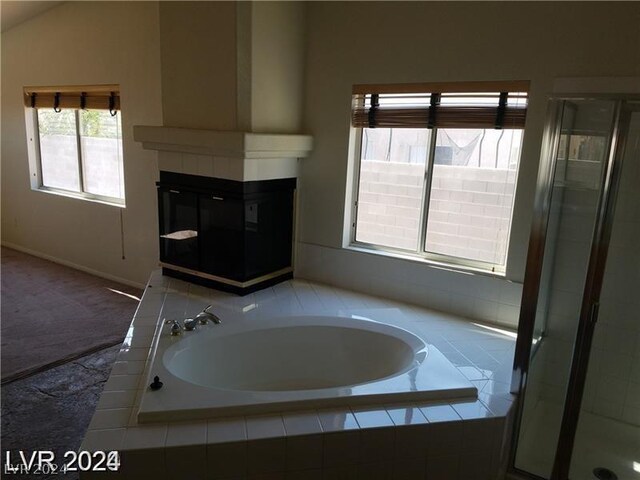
213	142
240	156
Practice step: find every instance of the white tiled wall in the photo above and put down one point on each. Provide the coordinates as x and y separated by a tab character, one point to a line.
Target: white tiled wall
230	168
474	296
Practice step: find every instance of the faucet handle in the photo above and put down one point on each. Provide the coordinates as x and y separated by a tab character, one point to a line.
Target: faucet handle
176	329
190	324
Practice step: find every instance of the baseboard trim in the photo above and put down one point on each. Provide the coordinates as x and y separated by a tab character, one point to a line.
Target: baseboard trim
76	266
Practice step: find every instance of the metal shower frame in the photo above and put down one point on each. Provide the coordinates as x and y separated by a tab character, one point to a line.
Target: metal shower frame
624	107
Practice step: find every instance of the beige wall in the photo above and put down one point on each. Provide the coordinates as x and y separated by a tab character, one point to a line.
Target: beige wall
84	43
441	41
198	48
233	66
277	63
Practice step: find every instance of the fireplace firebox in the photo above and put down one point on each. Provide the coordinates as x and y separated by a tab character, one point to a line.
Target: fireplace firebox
231	235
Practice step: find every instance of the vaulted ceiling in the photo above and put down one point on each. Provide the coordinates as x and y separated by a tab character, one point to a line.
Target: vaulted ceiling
13	13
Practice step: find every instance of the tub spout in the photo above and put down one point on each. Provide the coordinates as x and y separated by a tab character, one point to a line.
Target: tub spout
205	316
201	318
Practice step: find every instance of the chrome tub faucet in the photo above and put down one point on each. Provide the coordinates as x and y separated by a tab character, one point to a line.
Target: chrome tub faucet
202	318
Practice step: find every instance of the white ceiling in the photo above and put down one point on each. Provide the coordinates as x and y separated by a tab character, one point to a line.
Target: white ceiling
13	12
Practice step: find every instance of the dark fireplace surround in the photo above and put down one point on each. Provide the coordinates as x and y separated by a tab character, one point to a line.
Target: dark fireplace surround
226	234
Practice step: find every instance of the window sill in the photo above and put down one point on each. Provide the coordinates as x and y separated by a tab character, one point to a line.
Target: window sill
82	196
465	269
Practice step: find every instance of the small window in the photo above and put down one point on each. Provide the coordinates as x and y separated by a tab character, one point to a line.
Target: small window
76	142
436	170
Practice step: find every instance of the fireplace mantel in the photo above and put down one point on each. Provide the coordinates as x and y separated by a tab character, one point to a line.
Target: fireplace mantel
241	156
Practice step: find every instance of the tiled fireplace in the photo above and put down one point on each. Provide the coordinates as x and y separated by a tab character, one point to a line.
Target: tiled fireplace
226	205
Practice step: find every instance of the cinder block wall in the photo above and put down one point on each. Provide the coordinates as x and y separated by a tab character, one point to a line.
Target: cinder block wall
469	210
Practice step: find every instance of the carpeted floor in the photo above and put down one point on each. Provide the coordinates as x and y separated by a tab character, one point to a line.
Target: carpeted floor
51	410
52	314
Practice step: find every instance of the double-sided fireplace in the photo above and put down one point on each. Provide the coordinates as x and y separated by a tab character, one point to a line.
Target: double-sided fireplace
232	235
226	202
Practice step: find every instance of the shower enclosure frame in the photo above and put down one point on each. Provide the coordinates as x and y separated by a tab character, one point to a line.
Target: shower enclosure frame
594	277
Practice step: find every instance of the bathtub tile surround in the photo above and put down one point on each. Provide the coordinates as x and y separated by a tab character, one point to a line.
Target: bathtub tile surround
449	440
472	410
302	423
337	420
226	430
485	298
183	434
304	452
265	426
440	413
407	415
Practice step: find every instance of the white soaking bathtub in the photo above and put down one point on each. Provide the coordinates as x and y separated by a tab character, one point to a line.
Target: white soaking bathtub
290	363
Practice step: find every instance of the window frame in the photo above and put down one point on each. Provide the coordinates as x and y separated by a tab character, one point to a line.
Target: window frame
37	183
421	253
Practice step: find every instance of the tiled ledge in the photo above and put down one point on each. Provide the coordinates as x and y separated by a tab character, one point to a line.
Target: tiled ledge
453	440
223	143
240	156
462	292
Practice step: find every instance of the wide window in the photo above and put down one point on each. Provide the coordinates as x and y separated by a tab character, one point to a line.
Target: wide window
436	169
76	141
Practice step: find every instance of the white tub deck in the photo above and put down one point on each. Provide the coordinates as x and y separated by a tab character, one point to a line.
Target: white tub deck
252	364
433	436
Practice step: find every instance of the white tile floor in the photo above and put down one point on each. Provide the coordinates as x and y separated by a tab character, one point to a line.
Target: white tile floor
600	442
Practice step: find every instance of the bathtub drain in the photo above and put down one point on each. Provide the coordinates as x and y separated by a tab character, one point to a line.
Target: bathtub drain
602	473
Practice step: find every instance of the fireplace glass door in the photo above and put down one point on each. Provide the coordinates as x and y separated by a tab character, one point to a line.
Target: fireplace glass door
178	214
222	236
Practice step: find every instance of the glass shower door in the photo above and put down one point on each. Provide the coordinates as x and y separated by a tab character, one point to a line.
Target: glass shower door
608	432
577	166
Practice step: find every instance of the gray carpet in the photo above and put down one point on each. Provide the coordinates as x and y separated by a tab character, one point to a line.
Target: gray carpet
51	410
52	314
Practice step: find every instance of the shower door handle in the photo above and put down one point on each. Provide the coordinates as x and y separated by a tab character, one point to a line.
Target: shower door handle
593	315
